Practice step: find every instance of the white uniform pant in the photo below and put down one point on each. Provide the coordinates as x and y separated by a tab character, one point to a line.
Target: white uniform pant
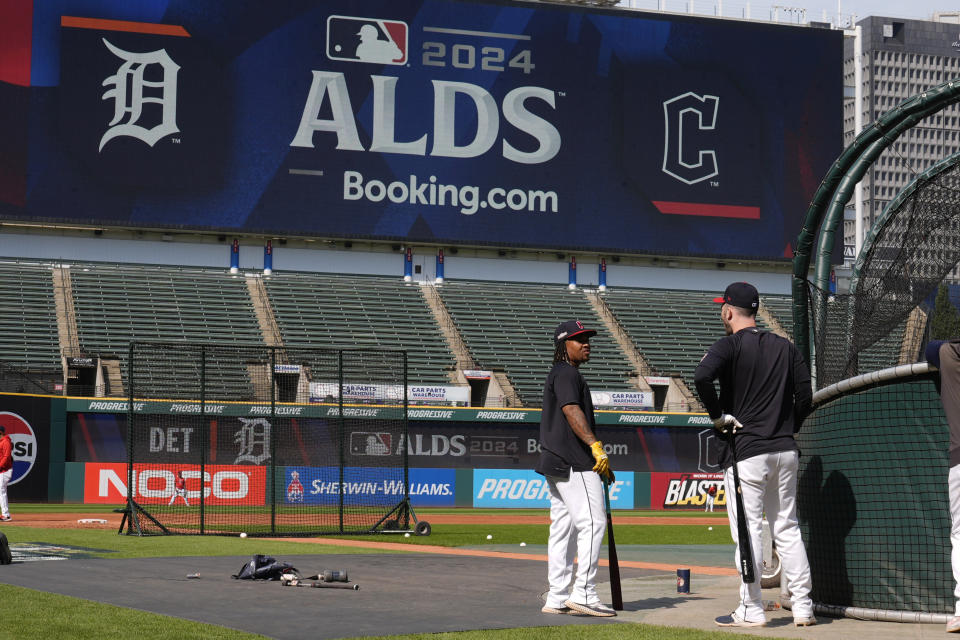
954	488
4	503
709	506
577	524
769	484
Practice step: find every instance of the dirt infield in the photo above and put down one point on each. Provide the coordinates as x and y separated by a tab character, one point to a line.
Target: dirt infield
72	520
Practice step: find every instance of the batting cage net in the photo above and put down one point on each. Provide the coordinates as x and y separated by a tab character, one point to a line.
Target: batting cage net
872	497
913	245
267	441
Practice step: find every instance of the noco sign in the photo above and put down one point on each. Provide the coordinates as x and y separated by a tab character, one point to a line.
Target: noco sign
435	120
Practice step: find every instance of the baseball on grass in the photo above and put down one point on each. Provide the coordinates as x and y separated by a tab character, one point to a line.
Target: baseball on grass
243	535
523	544
709	528
489	537
406	535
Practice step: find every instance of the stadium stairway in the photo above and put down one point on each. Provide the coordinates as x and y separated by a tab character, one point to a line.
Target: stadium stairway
500	391
117	304
510	325
360	312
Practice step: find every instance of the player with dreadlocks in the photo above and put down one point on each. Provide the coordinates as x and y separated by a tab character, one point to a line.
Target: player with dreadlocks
572	460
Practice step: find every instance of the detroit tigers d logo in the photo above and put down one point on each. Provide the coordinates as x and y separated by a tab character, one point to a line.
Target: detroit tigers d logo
127	93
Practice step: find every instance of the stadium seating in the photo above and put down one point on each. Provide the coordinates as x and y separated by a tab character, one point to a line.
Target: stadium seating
28	319
781	308
672	329
117	304
371	312
510	326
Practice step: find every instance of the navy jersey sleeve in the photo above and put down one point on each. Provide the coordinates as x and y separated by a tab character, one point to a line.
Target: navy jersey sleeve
933	352
709	370
566	387
802	392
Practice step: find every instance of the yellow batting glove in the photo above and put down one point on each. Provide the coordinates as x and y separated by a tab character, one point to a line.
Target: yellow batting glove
603	462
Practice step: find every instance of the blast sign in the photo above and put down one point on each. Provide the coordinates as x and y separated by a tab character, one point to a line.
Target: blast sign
433	121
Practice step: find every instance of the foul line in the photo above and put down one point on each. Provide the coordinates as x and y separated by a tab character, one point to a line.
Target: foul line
482	34
450	551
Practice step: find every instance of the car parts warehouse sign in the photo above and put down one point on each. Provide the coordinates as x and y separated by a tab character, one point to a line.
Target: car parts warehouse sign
431	121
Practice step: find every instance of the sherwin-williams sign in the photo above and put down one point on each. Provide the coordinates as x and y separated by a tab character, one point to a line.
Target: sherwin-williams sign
427	120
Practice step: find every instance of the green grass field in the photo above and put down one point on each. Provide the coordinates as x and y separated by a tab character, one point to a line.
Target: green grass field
66	617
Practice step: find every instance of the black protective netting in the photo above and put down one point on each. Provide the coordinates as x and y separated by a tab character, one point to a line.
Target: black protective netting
911	249
872	499
268	441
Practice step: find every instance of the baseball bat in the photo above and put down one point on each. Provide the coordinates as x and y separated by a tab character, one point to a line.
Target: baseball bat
743	534
615	592
322	585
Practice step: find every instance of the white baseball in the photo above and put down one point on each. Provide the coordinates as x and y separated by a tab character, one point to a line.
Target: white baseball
243	535
523	544
406	535
489	537
709	528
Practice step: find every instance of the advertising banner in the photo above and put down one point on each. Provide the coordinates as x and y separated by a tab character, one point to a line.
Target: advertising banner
27	422
367	485
106	483
431	444
525	488
675	491
430	121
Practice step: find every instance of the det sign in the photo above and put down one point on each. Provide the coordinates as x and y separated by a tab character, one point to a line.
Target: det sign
524	488
106	483
24	444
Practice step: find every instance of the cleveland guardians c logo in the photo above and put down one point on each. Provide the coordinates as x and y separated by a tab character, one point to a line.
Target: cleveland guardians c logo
683	117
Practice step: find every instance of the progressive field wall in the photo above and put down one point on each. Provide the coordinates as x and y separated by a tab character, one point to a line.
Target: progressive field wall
457	457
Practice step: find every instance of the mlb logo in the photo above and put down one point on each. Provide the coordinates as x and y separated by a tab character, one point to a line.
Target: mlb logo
367	40
370	443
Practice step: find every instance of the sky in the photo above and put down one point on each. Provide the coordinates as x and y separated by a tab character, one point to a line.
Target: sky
816	10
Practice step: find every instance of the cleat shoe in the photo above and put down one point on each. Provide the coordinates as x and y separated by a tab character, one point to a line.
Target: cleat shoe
560	610
734	620
953	625
5	518
805	622
596	609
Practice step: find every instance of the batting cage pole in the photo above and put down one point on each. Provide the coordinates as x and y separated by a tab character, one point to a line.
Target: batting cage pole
406	443
203	452
272	467
341	430
134	521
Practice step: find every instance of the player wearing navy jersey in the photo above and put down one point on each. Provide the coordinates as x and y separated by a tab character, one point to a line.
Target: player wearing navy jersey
764	396
573	462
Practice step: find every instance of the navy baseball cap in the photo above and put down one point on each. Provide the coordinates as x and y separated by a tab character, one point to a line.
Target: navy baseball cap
571	328
740	294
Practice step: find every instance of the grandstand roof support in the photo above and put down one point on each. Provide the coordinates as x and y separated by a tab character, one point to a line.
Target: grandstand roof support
826	209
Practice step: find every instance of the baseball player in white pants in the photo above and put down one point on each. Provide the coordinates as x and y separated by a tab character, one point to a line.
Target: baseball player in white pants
573	462
577	524
765	394
769	485
4	502
945	356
